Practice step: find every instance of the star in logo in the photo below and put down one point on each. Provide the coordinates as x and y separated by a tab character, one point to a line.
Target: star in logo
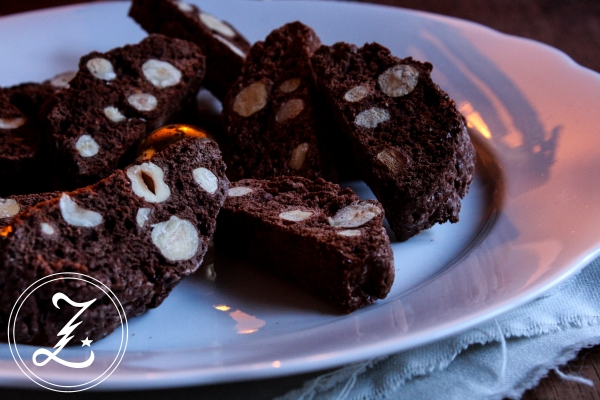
87	342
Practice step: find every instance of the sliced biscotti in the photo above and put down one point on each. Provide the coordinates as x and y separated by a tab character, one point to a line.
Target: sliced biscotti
139	231
115	99
313	233
409	139
270	113
224	47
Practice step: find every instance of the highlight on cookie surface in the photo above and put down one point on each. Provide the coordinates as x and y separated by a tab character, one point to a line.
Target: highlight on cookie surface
166	135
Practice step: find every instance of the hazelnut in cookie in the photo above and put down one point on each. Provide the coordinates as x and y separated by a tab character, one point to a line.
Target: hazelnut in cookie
224	47
140	231
313	233
408	138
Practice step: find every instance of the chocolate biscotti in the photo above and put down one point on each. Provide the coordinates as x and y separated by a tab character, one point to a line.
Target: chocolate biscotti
224	47
270	112
313	233
21	152
115	99
139	231
409	139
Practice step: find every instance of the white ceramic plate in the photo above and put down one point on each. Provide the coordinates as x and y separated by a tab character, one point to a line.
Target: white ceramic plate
530	220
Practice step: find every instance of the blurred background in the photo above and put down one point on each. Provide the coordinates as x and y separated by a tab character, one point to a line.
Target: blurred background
572	26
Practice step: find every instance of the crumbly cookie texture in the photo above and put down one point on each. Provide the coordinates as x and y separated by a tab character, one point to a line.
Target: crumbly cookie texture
138	245
115	100
271	112
408	138
21	148
225	48
13	205
313	233
23	154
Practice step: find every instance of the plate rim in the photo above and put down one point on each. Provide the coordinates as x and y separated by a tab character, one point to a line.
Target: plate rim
298	365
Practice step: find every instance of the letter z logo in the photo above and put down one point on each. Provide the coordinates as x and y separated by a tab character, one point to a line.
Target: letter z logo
65	332
68	373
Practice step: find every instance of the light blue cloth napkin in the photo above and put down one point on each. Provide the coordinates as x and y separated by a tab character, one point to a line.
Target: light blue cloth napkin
498	359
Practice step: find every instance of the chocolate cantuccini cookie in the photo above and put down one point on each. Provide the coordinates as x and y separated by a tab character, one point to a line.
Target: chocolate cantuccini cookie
22	169
408	138
313	233
224	47
270	116
115	99
139	231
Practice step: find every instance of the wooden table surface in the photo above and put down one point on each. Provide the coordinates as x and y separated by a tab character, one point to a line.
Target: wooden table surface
572	26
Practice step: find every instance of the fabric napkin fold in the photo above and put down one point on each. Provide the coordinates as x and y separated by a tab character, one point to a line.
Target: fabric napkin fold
500	358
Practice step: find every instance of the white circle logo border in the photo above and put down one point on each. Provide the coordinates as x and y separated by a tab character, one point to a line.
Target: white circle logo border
67	276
